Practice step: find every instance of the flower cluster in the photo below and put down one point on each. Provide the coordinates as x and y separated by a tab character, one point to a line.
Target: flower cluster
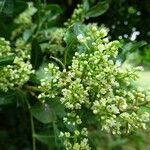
108	83
16	73
54	37
5	49
97	82
26	17
72	98
24	20
23	49
77	138
77	16
49	85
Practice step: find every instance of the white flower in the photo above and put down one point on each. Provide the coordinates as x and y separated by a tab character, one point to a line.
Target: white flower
145	117
81	38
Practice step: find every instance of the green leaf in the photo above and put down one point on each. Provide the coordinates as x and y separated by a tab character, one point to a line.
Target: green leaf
144	109
44	138
58	108
7	7
19	6
134	45
49	138
53	7
128	48
43	113
7	98
27	35
86	5
98	9
46	15
40	73
73	32
36	54
6	60
20	97
34	80
71	40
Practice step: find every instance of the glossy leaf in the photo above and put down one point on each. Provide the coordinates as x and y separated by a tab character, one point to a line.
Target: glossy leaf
43	113
145	109
128	48
27	35
71	40
40	73
6	99
54	7
6	60
36	54
57	107
98	9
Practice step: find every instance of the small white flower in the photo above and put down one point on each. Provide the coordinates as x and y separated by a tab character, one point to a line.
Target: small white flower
81	38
